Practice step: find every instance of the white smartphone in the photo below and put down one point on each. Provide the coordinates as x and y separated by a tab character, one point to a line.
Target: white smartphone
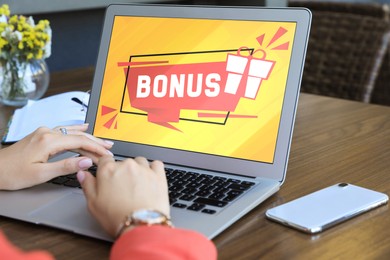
327	207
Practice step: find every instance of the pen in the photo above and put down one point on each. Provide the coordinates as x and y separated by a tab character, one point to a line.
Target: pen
75	99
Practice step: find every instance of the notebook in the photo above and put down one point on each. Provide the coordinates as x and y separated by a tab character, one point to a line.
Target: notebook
211	91
64	111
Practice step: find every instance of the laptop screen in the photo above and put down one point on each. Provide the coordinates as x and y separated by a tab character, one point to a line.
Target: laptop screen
207	86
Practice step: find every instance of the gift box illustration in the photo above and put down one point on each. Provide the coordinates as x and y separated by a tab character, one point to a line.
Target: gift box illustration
247	68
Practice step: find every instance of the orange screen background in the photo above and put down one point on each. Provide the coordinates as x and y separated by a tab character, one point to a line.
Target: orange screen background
244	138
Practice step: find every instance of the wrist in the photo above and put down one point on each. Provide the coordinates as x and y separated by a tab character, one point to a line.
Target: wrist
143	217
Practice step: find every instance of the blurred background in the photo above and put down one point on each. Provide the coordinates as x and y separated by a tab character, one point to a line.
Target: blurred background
348	53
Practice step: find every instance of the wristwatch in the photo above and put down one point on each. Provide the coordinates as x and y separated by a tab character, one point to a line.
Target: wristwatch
144	217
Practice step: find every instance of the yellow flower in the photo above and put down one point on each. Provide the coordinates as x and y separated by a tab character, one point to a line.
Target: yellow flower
3	42
13	19
30	43
4	10
40	54
32	35
20	37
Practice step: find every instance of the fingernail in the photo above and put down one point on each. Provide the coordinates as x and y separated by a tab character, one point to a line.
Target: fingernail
109	142
80	176
85	163
110	153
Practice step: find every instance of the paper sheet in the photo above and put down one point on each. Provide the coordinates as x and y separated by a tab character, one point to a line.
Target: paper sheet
57	110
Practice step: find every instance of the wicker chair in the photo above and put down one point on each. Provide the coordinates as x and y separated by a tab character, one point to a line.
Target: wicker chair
381	93
347	46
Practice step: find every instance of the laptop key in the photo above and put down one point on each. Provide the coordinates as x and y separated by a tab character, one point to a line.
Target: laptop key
175	188
71	176
249	183
206	188
189	190
178	172
221	190
230	198
193	185
211	202
196	207
174	194
194	173
92	170
207	181
191	178
187	197
172	200
59	180
219	178
203	193
234	180
179	183
217	195
234	193
168	171
209	211
179	205
220	184
235	186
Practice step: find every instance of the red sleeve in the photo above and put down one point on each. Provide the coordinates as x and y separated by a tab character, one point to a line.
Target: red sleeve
159	242
9	251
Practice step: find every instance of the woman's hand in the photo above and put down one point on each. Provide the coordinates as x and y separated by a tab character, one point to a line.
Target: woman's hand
121	188
25	163
80	131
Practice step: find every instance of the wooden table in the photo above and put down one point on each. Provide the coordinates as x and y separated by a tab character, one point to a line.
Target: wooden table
334	141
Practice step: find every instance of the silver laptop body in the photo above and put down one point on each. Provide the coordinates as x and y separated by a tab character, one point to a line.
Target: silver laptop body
65	208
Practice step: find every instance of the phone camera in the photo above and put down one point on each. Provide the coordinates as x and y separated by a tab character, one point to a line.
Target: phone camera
343	184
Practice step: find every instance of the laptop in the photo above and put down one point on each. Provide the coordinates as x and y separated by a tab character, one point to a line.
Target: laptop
211	91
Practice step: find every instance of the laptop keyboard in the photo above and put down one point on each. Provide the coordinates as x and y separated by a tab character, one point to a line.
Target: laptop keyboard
203	192
189	190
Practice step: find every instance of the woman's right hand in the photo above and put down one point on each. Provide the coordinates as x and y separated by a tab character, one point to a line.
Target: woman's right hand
120	188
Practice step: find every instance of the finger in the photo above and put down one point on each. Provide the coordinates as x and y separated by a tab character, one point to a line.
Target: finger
105	165
80	130
95	157
81	127
88	183
142	161
105	159
63	167
76	142
157	166
106	143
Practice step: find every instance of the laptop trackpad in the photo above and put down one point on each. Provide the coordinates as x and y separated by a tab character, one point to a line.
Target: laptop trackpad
70	213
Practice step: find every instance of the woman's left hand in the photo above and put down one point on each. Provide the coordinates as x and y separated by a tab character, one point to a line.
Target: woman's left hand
25	163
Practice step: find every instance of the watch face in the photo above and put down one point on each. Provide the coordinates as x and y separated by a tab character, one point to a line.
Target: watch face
148	216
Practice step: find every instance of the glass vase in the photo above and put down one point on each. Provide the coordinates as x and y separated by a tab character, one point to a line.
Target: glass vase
21	81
